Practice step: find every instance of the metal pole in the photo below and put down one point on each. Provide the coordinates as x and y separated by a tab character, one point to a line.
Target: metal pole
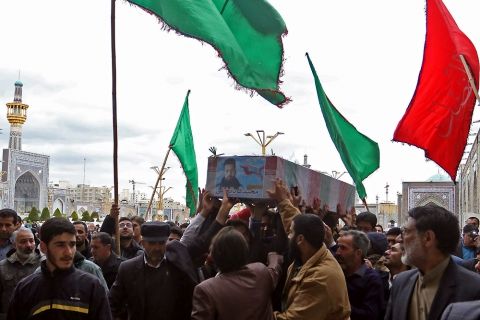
470	78
158	180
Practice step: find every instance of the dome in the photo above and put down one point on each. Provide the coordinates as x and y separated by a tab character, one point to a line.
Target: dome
439	178
18	83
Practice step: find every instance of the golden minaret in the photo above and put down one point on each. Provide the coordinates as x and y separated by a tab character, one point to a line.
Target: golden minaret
16	115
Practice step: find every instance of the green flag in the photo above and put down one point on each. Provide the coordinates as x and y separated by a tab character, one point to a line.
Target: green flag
359	154
246	34
182	144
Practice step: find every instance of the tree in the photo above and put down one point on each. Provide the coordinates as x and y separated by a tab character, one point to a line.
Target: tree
86	216
74	216
94	216
45	214
33	215
57	213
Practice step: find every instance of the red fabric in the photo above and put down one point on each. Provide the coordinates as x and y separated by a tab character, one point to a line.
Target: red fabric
243	214
440	113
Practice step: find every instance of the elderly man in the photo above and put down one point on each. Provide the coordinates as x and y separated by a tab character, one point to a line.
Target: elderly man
365	287
430	235
103	256
19	264
140	277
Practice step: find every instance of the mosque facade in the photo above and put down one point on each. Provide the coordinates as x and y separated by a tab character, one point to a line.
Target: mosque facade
24	174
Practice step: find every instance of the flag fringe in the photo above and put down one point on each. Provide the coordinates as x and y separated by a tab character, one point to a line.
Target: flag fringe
164	26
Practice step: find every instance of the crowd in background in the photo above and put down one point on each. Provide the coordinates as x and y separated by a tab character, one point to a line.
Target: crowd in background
289	260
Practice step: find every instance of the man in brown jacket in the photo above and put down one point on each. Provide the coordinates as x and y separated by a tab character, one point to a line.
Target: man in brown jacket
315	286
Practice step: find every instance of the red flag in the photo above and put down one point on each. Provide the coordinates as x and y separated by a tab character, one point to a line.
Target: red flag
440	113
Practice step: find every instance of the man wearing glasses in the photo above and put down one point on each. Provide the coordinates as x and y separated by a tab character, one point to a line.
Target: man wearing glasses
129	248
429	237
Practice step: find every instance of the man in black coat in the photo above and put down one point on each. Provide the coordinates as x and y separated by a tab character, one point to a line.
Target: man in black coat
430	236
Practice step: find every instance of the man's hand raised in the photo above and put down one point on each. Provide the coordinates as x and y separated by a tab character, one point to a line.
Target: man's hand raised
279	192
225	208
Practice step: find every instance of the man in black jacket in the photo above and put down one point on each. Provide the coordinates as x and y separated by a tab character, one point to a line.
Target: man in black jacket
103	256
159	284
430	235
59	291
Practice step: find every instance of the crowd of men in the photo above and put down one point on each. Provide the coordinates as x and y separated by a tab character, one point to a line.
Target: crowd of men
291	261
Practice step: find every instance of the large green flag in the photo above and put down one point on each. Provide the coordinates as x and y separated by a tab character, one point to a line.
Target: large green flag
246	34
359	154
182	144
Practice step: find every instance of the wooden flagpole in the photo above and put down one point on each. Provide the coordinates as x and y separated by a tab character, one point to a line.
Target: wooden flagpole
114	116
160	174
470	77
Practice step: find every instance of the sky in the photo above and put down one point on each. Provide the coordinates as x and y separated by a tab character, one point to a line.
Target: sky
367	55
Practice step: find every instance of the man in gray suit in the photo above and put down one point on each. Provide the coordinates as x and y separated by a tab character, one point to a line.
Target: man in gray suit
430	235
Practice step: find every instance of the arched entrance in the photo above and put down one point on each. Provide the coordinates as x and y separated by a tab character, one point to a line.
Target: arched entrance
27	193
58	204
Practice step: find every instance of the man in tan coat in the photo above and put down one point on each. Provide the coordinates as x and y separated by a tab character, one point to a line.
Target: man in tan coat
315	286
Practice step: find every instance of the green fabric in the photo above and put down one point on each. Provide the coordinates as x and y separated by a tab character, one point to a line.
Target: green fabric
247	35
182	144
359	154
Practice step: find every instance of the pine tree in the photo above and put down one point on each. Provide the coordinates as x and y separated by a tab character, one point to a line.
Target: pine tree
74	216
33	215
86	216
57	213
94	216
45	214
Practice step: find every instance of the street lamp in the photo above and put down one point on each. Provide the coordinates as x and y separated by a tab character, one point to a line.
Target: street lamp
263	141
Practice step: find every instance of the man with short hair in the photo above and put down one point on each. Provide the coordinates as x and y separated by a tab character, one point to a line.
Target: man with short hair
229	179
175	233
20	263
365	287
81	238
8	224
467	246
366	222
59	291
393	261
392	235
473	221
137	222
429	237
315	287
103	256
129	247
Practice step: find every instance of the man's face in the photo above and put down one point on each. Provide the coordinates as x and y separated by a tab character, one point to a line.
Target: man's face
80	234
100	251
126	229
469	239
154	250
393	256
391	239
347	255
6	227
378	229
472	222
173	236
412	244
91	228
229	173
24	242
60	250
364	226
136	229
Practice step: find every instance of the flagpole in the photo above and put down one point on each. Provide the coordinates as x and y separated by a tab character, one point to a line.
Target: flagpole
114	116
160	174
470	77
